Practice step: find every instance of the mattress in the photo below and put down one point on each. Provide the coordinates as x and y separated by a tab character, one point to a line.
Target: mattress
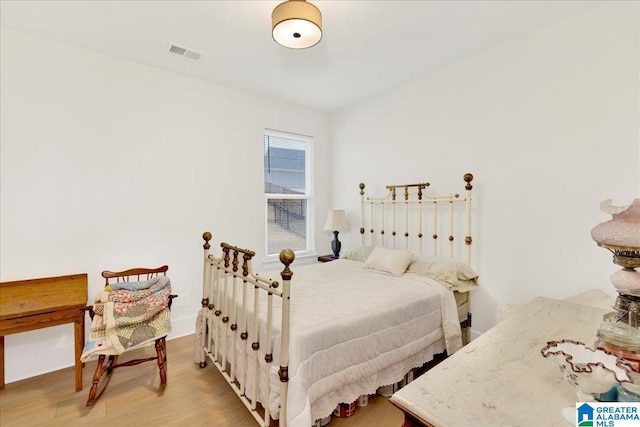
354	330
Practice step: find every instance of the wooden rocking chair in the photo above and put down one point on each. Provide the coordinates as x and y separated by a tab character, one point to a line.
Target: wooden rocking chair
108	363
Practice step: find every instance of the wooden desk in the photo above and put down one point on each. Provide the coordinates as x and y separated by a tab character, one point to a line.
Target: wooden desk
501	379
26	305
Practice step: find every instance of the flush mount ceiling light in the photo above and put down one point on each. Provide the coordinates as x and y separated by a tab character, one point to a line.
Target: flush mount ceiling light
296	24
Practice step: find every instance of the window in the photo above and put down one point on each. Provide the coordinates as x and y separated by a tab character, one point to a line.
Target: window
287	191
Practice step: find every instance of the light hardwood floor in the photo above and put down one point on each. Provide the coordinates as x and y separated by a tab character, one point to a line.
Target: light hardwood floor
193	397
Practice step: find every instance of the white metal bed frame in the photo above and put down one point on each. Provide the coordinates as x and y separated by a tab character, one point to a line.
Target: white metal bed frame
228	280
418	207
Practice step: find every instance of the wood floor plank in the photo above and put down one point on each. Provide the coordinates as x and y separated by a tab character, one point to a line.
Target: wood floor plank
193	397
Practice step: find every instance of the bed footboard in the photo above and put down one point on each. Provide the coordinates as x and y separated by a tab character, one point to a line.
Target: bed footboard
234	302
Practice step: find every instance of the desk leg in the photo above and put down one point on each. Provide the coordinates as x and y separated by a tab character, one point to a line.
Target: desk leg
1	362
78	331
410	421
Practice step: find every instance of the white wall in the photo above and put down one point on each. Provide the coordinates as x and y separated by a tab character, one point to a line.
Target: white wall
108	164
549	126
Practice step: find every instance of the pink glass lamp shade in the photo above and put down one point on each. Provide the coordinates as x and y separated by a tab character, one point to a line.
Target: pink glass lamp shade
621	235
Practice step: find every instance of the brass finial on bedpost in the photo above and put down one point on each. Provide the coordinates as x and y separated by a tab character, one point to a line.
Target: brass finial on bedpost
361	188
286	257
468	178
206	236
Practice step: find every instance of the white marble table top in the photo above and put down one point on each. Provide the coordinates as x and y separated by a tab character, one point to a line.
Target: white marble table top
501	378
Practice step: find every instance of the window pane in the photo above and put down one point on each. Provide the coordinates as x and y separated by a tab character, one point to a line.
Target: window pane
284	165
286	225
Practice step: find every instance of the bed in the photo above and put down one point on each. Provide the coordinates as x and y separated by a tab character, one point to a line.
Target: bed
293	349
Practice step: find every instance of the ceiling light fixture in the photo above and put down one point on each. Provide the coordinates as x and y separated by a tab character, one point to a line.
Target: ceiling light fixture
296	24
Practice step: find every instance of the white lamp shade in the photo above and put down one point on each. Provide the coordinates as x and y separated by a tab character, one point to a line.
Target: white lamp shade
336	221
296	24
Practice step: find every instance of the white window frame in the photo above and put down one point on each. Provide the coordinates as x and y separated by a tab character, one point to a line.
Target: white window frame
308	196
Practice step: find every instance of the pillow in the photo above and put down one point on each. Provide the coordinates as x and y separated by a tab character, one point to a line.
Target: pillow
452	273
359	253
388	260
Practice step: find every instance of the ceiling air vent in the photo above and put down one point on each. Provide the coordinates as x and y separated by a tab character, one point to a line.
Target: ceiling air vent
184	52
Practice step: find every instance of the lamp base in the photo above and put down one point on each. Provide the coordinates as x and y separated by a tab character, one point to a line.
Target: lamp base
336	245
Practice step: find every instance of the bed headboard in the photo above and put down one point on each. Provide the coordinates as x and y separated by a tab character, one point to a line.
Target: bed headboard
408	213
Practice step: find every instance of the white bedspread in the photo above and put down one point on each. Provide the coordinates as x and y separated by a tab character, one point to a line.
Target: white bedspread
353	330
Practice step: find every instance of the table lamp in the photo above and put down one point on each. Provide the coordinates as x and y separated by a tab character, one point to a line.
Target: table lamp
336	222
621	236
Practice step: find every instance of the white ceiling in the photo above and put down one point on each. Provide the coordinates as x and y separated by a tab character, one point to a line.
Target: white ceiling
367	46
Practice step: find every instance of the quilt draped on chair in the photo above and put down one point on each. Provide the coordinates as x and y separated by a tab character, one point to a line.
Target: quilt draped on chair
129	314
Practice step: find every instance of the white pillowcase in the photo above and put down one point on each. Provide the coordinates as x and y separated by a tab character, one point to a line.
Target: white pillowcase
392	261
359	253
454	274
